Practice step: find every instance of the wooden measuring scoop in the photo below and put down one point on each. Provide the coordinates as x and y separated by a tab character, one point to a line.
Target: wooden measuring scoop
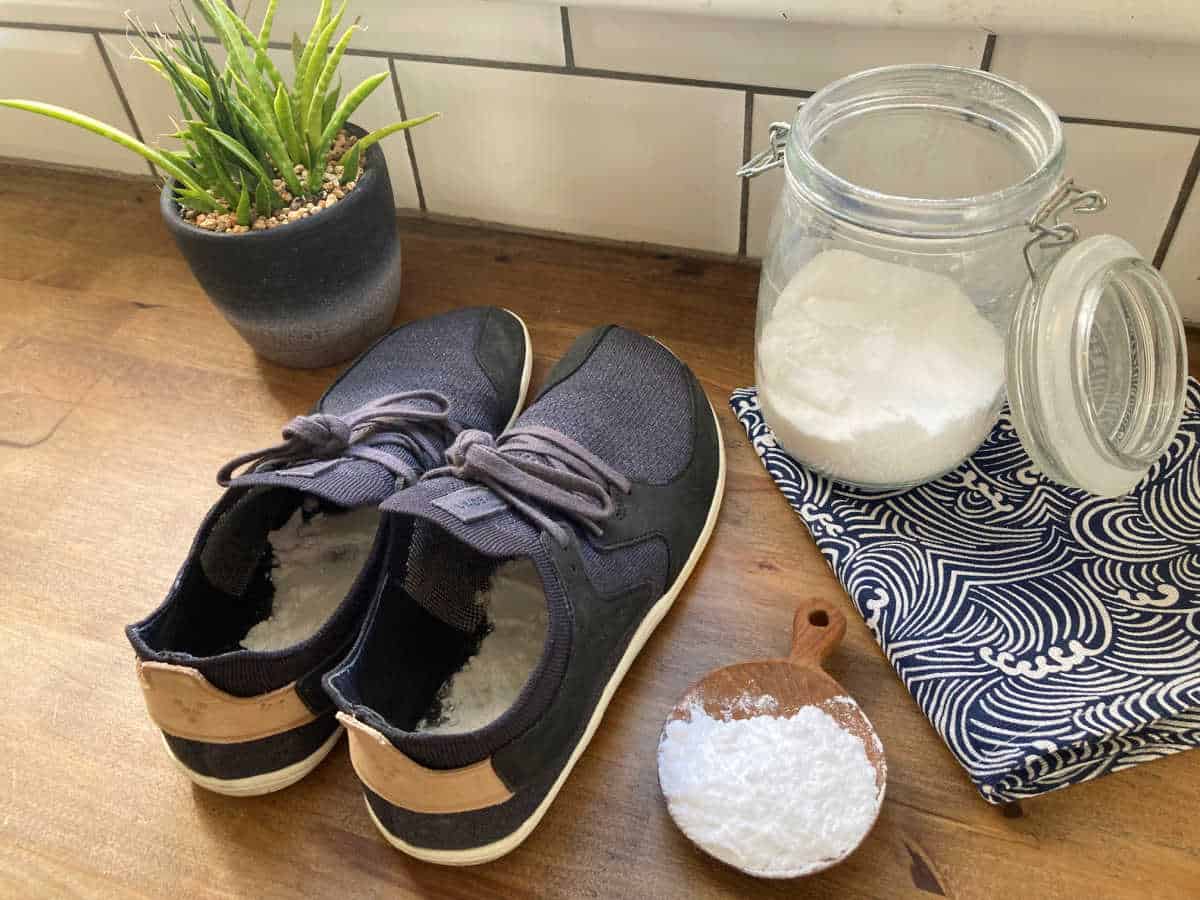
781	688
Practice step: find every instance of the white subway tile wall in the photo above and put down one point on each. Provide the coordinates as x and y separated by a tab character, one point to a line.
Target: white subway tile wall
627	125
67	70
1124	80
479	29
590	156
94	13
1182	266
782	54
1138	171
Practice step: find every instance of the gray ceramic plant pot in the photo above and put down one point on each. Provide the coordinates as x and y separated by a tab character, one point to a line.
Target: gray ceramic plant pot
311	293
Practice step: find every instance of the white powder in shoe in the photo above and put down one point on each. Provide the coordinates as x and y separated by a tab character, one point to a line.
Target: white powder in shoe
878	374
316	562
492	679
774	796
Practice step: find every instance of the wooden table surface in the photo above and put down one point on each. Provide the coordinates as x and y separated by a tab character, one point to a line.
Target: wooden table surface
122	390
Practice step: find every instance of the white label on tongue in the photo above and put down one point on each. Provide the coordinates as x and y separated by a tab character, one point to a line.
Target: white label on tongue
310	470
471	503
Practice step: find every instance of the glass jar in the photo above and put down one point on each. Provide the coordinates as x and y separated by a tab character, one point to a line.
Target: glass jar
918	271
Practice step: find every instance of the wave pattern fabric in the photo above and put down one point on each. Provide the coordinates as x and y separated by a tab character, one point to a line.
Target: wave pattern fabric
1050	637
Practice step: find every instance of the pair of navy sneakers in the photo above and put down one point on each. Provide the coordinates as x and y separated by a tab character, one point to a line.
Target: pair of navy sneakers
457	584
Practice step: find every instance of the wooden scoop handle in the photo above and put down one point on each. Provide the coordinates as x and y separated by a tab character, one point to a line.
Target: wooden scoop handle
817	629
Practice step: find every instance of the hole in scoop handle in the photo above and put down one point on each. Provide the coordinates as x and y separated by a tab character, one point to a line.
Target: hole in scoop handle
817	629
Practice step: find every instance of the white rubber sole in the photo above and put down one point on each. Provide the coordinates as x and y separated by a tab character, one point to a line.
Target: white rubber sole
267	782
488	852
526	371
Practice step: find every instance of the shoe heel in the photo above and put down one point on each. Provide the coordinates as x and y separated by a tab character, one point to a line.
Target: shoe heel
272	764
241	746
411	786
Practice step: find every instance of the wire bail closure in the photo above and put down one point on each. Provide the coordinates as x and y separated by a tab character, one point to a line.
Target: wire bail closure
772	157
1049	232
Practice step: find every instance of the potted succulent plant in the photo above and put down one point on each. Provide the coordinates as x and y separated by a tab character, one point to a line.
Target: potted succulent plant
282	207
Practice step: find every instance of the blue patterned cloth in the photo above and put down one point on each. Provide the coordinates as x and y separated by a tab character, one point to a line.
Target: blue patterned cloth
1049	636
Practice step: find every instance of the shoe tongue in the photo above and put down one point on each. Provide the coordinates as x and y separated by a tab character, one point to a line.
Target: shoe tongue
452	579
346	481
471	513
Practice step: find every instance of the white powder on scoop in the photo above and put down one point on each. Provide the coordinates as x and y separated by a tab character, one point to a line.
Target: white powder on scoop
490	682
878	374
316	562
777	797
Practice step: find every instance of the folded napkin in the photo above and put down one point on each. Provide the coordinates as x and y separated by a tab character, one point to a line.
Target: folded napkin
1049	636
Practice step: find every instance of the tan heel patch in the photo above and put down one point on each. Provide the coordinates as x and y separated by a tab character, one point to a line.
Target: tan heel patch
412	786
183	703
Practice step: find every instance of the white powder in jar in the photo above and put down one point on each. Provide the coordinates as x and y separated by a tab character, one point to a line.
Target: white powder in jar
777	797
878	374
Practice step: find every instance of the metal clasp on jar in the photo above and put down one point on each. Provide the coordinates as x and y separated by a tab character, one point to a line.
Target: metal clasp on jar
1048	231
772	157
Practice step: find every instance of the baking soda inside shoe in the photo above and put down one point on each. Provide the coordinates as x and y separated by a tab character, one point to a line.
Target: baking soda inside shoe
316	557
878	374
491	680
774	796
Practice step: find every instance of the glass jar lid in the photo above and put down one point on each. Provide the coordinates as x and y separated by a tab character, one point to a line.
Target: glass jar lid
1097	367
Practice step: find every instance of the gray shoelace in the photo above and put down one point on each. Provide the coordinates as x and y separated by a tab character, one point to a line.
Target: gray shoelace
391	420
536	467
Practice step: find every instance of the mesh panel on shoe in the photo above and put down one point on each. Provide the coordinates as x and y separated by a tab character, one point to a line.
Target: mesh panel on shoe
239	537
427	354
448	578
431	354
629	403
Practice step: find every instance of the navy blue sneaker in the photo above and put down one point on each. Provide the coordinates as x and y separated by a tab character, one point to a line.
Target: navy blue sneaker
270	596
513	591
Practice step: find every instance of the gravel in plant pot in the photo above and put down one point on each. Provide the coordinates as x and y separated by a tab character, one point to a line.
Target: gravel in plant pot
282	207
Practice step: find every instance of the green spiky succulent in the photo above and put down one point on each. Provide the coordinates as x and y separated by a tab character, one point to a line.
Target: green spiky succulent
245	131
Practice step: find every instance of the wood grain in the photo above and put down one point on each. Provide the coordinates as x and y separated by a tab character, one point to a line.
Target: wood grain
122	391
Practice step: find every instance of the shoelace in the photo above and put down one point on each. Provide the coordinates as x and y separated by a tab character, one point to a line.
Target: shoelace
389	420
536	466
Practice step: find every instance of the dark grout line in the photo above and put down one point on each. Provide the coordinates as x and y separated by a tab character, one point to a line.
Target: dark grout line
412	153
585	72
568	46
72	29
989	50
103	29
1136	126
116	83
1181	202
747	152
